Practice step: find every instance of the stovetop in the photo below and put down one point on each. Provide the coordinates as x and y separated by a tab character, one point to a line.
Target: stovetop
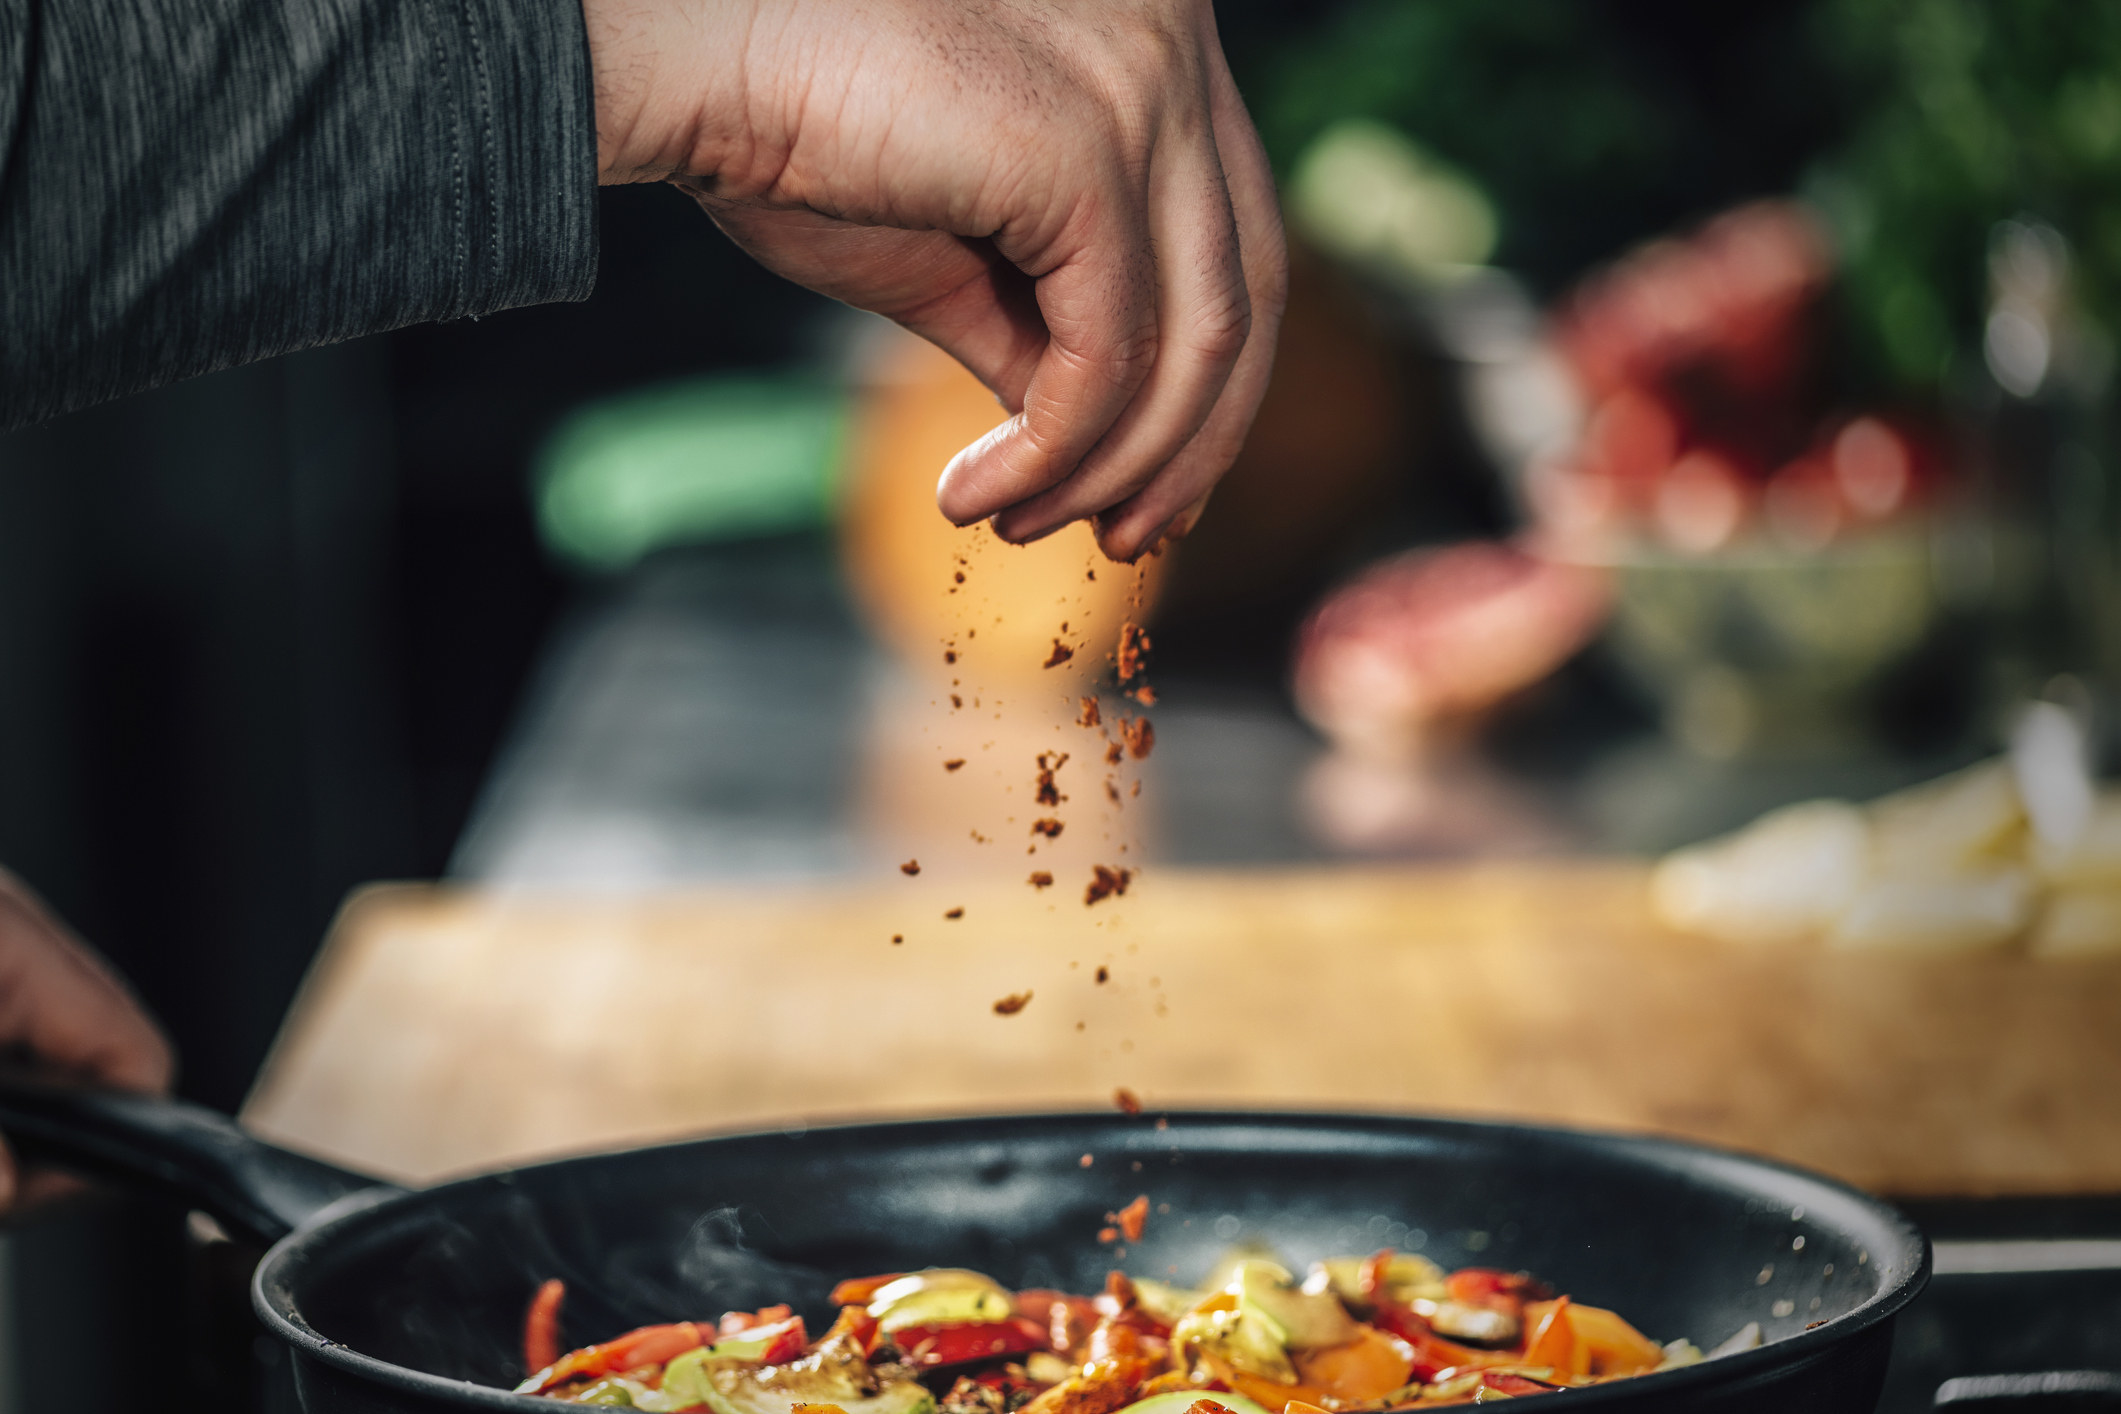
2021	1285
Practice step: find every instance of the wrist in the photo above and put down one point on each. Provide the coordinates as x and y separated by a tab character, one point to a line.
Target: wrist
663	87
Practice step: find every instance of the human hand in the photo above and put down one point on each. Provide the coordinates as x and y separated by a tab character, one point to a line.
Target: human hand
1067	195
65	1012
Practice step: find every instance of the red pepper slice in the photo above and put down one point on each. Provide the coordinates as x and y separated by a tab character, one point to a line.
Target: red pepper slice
733	1322
541	1326
860	1291
976	1340
650	1345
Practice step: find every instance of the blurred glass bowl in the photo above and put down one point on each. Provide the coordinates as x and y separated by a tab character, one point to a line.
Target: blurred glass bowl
1759	650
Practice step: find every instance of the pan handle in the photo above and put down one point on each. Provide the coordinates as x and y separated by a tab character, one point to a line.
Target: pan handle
186	1150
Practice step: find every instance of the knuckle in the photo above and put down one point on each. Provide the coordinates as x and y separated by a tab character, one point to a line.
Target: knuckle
1220	332
1271	286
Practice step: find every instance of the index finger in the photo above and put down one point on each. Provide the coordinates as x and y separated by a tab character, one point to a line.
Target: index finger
1098	299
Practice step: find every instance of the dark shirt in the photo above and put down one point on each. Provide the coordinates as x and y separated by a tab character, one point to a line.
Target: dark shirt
186	185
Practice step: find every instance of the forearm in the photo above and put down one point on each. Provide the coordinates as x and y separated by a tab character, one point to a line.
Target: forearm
187	185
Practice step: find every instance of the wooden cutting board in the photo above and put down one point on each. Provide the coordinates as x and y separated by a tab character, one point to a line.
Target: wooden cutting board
445	1030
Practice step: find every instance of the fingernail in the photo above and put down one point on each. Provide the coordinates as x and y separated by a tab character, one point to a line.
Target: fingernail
942	492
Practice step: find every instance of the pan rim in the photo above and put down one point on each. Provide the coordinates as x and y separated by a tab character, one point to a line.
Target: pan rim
273	1283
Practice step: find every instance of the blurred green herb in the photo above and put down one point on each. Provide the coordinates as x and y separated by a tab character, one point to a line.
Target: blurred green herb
1976	111
1588	125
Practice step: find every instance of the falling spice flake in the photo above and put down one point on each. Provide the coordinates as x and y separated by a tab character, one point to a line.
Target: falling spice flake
1127	1100
1108	1234
955	763
1133	652
1085	1161
1140	735
910	868
1132	1219
950	655
954	914
1105	882
1104	974
1114	754
1090	575
1137	789
1040	879
1061	653
1048	763
1090	717
956	701
1012	1004
1143	693
1112	792
897	938
1049	828
960	576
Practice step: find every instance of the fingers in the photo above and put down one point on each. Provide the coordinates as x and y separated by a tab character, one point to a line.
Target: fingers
1096	289
63	1005
1173	499
1204	317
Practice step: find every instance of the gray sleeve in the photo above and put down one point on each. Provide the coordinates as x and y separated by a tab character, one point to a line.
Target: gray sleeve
186	185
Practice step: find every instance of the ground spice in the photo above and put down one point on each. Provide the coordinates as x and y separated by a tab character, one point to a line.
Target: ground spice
1048	763
1133	652
1105	882
1132	1219
1049	828
1127	1100
897	938
1061	653
956	763
910	868
1090	717
1114	754
950	655
1012	1004
1104	974
1140	735
954	914
1040	879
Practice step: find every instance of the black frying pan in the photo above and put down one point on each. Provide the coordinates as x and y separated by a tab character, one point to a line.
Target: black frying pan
396	1300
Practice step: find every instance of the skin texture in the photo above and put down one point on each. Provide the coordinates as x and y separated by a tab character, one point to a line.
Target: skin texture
67	1014
1067	195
